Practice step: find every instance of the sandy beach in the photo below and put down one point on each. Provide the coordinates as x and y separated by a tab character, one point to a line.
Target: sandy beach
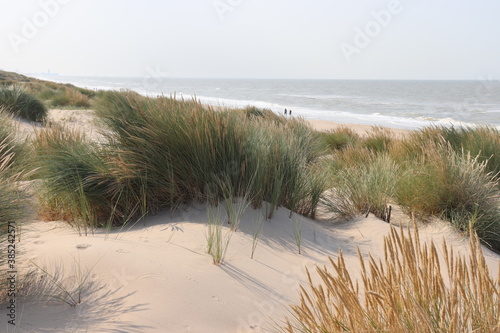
360	129
156	275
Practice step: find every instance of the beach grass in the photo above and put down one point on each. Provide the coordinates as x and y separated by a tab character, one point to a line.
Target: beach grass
482	142
15	100
18	150
453	185
57	285
163	152
76	183
257	231
414	288
13	209
363	188
297	232
12	199
436	171
339	139
50	94
218	237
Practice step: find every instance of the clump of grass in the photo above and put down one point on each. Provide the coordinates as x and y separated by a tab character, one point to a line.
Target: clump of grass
12	200
339	139
163	152
13	203
363	188
236	201
269	115
217	239
19	103
482	142
377	140
428	173
406	292
455	186
82	182
60	95
186	149
69	97
18	149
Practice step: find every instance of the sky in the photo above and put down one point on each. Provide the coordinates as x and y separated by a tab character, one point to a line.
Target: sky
280	39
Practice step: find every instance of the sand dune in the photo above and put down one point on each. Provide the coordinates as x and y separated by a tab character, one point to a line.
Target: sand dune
156	276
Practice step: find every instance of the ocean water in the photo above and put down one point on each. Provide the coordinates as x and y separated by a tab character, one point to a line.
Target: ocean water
397	104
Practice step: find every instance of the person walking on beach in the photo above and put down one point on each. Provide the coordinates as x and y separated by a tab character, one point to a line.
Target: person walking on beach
285	112
290	112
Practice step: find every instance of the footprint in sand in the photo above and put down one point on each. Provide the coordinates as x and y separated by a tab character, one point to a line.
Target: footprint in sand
83	246
191	279
122	251
218	299
349	240
38	242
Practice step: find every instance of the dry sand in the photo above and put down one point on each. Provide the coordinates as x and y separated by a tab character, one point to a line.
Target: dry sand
157	277
362	130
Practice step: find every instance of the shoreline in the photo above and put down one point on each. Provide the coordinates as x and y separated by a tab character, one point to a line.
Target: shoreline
360	129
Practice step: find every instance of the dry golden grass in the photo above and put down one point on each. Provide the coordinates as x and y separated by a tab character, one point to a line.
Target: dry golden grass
407	291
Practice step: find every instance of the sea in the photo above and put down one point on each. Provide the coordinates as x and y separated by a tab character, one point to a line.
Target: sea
390	103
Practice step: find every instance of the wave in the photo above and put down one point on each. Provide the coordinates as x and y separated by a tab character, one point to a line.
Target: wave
319	96
341	108
375	119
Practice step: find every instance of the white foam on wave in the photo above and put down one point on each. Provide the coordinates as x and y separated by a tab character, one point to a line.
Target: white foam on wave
375	119
339	116
306	113
312	96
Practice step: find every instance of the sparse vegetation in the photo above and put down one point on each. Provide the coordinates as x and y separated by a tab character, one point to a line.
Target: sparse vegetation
218	237
257	230
58	285
405	292
297	232
49	94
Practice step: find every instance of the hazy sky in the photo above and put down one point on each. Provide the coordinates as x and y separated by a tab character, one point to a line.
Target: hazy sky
317	39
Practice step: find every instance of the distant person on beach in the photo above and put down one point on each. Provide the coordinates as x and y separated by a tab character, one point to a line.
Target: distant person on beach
290	112
285	112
